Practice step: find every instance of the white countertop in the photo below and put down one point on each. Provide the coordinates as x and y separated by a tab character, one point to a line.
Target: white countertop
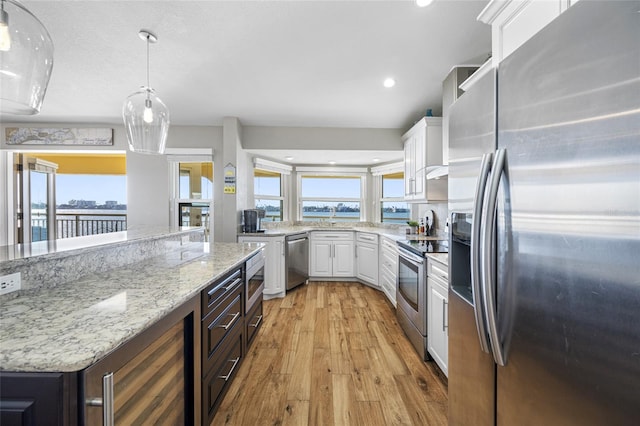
71	326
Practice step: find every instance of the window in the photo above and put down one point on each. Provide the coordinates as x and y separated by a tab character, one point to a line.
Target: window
90	192
334	197
393	208
270	183
196	181
390	206
191	190
267	187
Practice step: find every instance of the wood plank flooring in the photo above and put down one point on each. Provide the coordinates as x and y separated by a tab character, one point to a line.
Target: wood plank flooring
332	353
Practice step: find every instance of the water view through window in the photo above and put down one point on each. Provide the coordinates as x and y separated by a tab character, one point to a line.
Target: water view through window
90	204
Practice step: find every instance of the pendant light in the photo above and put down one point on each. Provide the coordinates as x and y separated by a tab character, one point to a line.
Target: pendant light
146	117
26	60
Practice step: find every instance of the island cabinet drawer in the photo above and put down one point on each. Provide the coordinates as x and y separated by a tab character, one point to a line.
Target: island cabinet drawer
225	368
218	325
254	322
219	290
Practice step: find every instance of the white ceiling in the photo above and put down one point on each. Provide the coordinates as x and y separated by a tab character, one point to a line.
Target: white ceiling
269	63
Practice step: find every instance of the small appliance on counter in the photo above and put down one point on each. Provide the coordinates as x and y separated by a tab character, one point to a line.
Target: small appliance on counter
251	220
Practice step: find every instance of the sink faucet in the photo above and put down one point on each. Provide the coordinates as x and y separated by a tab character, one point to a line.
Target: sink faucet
333	216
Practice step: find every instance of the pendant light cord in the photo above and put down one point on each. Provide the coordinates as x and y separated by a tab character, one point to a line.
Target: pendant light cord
148	86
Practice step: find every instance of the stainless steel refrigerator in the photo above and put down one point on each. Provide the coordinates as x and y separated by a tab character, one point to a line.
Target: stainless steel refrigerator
544	195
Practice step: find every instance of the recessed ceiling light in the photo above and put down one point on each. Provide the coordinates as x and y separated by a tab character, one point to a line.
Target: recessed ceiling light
332	162
375	160
423	3
389	82
288	158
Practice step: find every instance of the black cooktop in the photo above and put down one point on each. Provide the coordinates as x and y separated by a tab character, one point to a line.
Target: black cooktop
421	247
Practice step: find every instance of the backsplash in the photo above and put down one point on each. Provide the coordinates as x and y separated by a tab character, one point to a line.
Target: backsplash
440	214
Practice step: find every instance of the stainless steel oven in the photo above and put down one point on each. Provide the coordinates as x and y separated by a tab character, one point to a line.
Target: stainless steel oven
412	299
254	283
412	288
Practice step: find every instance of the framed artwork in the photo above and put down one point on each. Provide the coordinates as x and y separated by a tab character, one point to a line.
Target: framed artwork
58	136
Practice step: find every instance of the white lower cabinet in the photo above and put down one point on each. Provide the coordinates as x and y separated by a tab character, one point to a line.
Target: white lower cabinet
332	254
388	268
274	272
367	258
438	313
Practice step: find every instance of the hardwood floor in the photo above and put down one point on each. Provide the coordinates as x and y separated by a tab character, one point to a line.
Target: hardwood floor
333	354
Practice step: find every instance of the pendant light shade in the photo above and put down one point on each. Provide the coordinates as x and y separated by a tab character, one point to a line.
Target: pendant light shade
146	117
26	60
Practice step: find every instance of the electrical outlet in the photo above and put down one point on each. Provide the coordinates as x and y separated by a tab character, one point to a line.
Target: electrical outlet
185	240
10	283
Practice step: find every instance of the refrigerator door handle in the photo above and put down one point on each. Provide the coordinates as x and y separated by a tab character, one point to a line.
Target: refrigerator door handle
476	224
487	257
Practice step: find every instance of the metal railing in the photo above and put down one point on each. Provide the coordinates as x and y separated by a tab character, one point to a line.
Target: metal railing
79	224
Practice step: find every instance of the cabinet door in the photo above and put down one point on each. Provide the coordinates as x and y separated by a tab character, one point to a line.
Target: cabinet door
367	263
420	173
274	263
409	167
343	254
438	343
321	259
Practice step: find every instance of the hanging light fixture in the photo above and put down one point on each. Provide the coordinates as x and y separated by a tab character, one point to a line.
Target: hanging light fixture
146	117
26	59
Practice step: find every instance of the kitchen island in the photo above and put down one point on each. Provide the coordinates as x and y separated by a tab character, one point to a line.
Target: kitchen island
55	335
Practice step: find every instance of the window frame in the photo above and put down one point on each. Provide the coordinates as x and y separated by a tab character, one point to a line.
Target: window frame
378	173
174	160
328	173
285	172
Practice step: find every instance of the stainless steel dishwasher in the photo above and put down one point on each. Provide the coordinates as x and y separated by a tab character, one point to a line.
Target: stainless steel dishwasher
296	261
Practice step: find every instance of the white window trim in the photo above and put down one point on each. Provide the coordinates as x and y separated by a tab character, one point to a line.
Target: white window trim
285	179
377	173
175	156
272	166
333	171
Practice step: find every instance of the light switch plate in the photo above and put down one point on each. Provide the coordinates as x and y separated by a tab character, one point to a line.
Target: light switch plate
10	283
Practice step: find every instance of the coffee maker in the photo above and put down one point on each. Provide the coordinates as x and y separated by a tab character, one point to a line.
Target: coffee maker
251	220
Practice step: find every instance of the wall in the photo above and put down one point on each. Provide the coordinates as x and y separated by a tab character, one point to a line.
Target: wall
148	187
260	137
147	175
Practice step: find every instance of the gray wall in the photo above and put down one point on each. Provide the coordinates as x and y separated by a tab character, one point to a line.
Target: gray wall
148	176
330	138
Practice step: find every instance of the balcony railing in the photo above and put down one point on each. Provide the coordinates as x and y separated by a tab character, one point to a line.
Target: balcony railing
79	224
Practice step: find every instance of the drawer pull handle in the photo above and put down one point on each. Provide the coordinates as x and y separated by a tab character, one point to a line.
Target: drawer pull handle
227	325
444	315
233	367
107	400
257	322
211	292
233	284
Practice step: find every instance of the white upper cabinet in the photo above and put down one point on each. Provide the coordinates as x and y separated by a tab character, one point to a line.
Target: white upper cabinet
515	21
422	150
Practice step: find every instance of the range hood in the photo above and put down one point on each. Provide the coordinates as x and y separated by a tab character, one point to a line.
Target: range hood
437	172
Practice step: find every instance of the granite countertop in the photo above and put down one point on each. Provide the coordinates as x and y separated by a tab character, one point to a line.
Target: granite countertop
290	230
69	246
71	326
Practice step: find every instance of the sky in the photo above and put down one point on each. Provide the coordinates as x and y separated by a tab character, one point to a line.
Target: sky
99	188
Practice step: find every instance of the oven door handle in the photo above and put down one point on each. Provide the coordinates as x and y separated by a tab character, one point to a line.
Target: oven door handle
410	257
